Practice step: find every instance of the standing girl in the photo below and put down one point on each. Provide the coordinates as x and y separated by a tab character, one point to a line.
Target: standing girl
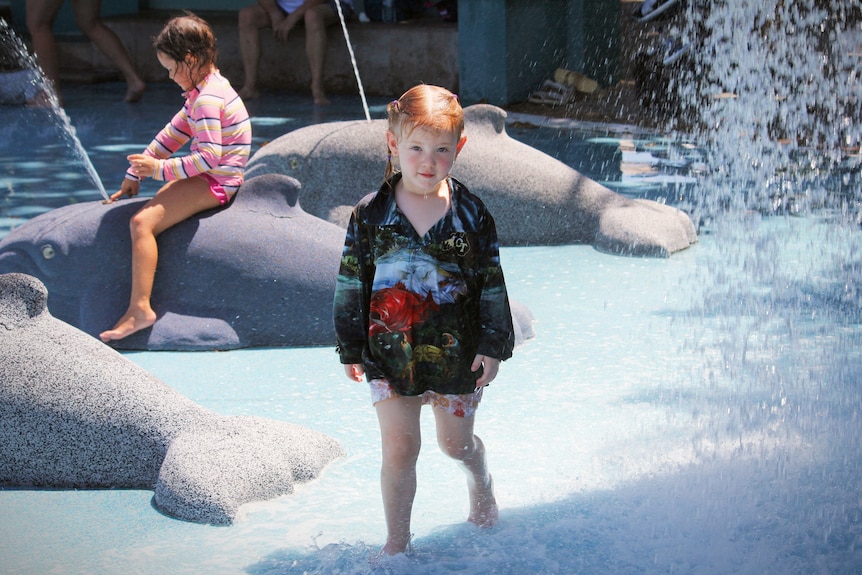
214	118
421	308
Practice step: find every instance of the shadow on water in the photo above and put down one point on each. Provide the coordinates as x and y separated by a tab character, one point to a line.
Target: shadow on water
737	516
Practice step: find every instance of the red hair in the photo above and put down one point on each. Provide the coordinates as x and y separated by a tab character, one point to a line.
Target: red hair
425	106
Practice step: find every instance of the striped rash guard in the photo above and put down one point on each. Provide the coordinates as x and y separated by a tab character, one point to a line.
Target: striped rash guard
214	118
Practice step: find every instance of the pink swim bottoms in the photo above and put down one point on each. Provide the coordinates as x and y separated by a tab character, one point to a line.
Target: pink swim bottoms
217	189
457	405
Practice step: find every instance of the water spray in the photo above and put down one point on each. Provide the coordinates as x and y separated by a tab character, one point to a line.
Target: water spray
352	59
51	102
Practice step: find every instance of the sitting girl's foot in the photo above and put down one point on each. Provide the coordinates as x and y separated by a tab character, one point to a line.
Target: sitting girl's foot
129	324
483	505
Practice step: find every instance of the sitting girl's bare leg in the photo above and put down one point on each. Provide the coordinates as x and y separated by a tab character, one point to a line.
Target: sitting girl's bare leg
176	201
456	439
401	440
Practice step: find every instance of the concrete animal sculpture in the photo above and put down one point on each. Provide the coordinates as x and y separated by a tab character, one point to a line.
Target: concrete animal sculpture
535	199
74	413
259	273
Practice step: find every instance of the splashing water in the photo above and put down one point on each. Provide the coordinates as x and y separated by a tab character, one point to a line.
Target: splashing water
11	43
774	92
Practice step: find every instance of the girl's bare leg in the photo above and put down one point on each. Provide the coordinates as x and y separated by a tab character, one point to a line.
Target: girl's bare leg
456	439
175	202
401	440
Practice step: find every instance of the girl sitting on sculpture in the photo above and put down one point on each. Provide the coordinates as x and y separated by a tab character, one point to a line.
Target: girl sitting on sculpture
216	122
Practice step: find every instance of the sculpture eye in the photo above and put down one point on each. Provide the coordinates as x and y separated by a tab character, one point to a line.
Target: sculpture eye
48	251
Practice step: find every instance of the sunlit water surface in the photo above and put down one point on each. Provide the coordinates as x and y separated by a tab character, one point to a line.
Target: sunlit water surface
698	414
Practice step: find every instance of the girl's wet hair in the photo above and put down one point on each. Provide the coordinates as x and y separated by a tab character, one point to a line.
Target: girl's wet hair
188	35
424	106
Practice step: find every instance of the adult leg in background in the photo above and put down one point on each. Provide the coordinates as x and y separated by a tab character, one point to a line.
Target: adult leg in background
252	19
89	19
40	21
317	19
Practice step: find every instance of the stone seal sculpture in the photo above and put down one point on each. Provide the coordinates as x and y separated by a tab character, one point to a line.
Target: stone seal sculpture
76	414
535	199
260	273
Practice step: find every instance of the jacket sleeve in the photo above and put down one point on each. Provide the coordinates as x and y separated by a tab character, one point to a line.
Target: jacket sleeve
349	305
497	336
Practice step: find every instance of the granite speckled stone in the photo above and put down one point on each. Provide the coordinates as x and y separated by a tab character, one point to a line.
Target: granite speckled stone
76	414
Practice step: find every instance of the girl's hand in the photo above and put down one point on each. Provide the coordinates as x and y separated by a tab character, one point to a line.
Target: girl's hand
142	166
354	371
491	367
128	188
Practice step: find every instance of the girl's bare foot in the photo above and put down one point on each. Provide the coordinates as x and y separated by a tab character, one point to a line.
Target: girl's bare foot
483	505
129	324
396	545
398	562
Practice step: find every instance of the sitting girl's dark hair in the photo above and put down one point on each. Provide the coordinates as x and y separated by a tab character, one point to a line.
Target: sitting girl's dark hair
188	35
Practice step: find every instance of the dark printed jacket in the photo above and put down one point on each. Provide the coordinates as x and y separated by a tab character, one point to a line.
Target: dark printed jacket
416	311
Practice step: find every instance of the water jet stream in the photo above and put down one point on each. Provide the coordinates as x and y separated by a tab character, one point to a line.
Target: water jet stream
353	59
52	106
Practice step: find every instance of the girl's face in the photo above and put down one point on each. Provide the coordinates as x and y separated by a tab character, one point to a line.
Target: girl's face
179	72
425	157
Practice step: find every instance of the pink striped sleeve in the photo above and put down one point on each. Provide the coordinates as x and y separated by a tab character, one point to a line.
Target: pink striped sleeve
214	118
204	122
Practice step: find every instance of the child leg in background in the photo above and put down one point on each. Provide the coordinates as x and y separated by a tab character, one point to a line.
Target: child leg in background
175	202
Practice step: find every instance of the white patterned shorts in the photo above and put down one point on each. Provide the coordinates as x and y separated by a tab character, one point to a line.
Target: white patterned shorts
457	405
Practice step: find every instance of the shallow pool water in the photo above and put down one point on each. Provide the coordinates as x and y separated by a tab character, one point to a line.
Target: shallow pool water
697	414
